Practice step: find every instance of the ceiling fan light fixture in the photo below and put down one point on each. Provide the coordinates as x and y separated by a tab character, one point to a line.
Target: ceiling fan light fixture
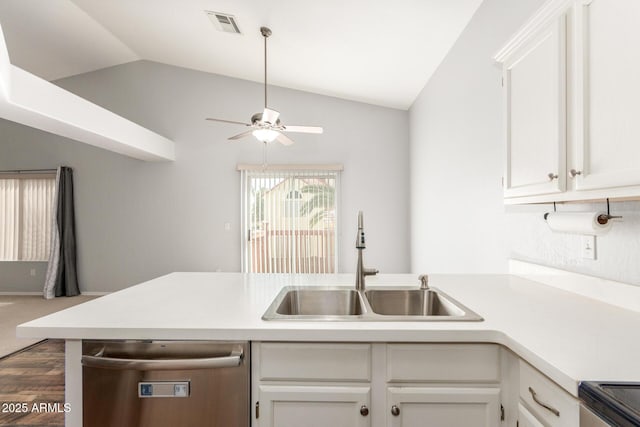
265	135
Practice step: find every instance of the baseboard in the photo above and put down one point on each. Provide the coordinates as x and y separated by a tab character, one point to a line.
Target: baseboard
97	294
21	293
608	291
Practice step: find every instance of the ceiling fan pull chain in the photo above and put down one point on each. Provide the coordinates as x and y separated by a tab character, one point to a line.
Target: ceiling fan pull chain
264	155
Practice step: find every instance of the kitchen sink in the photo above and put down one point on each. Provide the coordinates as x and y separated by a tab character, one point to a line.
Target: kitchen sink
321	302
376	304
411	302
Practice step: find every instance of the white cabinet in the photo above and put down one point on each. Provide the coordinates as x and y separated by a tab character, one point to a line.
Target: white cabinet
607	91
314	406
544	401
571	103
535	116
311	384
443	406
526	418
345	384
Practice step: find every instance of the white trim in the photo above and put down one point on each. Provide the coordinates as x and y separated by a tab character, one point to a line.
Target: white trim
608	291
551	10
296	167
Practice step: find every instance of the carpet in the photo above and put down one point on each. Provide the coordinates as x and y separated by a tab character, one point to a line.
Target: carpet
17	309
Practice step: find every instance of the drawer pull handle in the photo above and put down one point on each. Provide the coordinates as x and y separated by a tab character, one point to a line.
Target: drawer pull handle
551	409
364	411
395	411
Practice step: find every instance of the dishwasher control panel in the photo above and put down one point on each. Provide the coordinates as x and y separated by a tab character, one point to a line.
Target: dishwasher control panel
163	389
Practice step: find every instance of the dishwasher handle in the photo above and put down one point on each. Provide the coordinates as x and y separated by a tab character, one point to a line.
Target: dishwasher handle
99	361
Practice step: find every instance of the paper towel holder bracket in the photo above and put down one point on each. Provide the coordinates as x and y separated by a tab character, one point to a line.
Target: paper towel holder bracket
602	219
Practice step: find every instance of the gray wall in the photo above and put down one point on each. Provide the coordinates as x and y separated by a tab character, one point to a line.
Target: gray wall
138	220
459	223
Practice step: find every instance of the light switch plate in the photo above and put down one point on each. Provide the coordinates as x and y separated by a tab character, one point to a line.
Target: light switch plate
589	247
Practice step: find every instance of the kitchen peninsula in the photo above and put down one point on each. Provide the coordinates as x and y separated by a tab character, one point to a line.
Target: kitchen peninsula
530	331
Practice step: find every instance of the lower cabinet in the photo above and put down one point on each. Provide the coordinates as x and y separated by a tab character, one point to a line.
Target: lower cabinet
526	418
402	385
443	406
314	406
376	385
544	402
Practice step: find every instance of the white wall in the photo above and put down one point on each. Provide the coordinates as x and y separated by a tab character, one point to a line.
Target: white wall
138	220
456	149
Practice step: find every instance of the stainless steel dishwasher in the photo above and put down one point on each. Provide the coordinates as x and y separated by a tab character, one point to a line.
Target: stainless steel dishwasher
165	383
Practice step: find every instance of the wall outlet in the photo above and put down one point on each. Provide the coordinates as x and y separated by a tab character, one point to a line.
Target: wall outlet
32	272
227	226
589	247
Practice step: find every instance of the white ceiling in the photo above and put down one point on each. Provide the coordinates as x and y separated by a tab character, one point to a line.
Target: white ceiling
373	51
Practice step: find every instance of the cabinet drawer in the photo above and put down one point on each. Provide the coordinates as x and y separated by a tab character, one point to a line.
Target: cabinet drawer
443	362
315	361
549	394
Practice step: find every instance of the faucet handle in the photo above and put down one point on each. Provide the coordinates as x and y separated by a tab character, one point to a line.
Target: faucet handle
424	281
370	271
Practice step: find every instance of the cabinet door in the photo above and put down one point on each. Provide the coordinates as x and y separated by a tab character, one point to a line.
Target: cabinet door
526	418
314	406
535	114
451	407
607	91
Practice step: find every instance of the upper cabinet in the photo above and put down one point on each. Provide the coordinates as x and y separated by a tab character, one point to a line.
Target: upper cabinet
534	96
607	94
570	99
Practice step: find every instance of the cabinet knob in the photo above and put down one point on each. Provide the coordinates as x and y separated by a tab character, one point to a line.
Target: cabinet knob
574	172
364	411
395	411
552	176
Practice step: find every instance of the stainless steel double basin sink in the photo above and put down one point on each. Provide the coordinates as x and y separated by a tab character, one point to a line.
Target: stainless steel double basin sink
376	304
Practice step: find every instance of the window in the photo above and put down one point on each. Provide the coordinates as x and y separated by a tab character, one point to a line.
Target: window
26	209
290	218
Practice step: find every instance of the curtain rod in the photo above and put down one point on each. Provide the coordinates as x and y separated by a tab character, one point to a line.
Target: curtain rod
31	171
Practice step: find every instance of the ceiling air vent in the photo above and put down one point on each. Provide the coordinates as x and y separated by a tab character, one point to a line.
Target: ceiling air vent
223	22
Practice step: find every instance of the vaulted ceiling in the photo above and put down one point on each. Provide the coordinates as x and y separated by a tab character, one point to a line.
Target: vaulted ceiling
373	51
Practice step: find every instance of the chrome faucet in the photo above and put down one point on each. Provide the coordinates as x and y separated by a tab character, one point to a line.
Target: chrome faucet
361	271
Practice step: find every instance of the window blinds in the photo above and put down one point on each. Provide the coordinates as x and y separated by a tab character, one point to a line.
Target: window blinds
290	218
26	216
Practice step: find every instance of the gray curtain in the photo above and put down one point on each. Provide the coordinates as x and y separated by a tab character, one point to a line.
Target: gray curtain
62	277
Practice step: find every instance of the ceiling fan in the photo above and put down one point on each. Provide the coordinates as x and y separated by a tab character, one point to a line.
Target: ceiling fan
266	126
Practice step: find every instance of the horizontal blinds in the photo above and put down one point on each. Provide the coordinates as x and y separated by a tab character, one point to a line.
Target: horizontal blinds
291	220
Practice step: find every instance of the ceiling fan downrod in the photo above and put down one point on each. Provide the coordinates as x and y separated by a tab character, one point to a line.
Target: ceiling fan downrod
266	32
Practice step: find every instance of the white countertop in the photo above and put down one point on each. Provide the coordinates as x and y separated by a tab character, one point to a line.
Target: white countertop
566	336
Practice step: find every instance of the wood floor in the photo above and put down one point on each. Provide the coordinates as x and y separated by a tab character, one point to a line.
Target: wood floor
33	379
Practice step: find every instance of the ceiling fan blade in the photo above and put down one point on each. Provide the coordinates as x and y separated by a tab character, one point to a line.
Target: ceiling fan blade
240	135
227	121
283	139
270	116
302	129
